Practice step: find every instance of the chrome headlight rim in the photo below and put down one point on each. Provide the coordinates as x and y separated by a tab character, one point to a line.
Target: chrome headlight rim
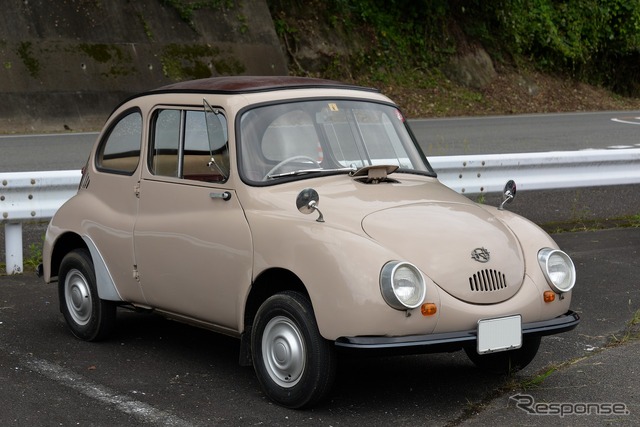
388	275
544	257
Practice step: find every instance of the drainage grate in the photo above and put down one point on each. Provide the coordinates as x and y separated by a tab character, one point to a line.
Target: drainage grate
487	281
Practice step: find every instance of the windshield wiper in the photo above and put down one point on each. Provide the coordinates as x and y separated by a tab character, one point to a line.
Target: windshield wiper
307	171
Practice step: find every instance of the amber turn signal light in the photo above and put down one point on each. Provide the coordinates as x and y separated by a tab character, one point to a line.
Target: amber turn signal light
549	296
428	309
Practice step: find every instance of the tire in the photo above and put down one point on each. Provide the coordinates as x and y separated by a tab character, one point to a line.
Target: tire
294	364
506	362
88	317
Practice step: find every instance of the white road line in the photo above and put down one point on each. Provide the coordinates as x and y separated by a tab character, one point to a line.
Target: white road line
627	120
140	410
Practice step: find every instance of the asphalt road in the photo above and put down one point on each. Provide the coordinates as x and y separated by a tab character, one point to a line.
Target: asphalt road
158	372
437	137
528	133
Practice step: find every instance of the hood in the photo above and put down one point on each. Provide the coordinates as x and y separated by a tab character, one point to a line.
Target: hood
464	249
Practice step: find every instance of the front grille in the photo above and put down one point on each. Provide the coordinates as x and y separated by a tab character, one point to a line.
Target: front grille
487	281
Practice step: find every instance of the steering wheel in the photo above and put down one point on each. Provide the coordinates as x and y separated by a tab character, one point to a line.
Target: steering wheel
288	160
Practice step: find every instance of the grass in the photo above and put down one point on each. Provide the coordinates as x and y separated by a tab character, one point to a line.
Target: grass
630	333
31	261
583	224
538	379
35	256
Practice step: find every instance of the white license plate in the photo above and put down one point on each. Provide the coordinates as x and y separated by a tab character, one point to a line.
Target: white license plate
500	334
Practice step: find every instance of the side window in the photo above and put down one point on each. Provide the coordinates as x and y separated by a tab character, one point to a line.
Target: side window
120	152
204	158
181	147
166	142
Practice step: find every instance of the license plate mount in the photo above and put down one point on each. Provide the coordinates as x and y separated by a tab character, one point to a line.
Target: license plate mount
499	334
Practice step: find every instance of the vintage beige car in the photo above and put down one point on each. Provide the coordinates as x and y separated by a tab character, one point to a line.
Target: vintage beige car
300	216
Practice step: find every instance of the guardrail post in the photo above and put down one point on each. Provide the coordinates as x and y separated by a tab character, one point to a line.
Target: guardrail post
13	247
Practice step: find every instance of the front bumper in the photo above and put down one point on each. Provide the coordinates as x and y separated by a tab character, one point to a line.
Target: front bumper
451	341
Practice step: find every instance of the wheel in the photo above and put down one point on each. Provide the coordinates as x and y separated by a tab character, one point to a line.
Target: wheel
294	364
88	317
289	160
506	362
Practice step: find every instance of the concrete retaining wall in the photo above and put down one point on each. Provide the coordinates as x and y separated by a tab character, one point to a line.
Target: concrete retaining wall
65	64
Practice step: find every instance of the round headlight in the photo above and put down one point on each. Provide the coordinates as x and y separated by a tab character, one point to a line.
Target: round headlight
558	269
402	285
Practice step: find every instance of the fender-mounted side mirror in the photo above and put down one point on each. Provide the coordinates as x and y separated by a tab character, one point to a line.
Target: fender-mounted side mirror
509	193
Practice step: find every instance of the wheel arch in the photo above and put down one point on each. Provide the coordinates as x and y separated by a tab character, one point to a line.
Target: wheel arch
64	244
71	241
268	283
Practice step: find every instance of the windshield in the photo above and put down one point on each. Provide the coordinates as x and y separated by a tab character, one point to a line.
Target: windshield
302	139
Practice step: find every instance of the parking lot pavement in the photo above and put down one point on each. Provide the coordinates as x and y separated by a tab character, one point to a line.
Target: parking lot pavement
159	372
600	389
598	385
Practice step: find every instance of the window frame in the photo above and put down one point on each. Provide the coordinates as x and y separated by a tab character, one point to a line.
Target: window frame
99	157
182	151
240	142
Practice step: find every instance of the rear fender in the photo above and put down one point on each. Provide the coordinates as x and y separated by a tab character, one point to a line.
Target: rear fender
106	286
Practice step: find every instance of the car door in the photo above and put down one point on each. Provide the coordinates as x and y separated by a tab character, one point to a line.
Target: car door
111	182
192	241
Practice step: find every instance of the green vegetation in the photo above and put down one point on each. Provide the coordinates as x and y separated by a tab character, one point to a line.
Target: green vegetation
634	221
635	320
146	26
538	379
32	259
584	224
30	62
102	53
630	333
182	62
112	54
186	8
35	256
595	41
387	38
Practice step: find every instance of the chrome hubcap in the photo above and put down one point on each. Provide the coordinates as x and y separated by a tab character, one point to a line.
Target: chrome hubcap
283	352
78	297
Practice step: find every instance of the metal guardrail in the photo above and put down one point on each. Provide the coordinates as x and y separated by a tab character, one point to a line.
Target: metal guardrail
35	196
538	171
30	196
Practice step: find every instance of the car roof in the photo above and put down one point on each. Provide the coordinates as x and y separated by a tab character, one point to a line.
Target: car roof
230	85
249	84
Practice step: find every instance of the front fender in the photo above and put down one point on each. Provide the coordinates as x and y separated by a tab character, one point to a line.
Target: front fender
340	270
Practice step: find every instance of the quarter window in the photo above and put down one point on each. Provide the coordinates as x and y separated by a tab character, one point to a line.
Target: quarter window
120	152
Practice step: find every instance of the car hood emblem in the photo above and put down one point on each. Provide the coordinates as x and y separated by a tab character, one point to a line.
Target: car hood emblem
481	255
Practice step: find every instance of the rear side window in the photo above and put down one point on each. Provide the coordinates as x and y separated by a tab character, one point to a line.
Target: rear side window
120	151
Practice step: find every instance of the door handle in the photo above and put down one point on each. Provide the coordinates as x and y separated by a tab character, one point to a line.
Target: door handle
225	195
